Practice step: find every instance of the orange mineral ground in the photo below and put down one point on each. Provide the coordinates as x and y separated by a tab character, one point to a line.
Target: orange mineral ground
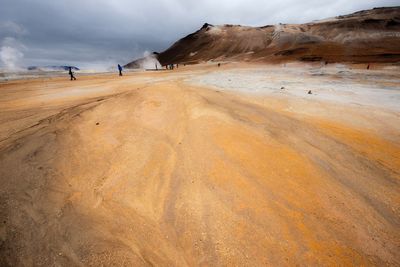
202	166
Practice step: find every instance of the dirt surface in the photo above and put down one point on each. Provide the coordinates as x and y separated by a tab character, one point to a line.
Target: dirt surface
172	169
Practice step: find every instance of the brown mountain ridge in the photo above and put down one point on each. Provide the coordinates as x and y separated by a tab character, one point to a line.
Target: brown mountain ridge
364	36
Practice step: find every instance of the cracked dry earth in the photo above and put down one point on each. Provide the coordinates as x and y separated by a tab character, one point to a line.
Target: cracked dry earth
130	172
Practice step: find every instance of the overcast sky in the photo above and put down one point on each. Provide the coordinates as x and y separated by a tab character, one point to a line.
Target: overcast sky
101	32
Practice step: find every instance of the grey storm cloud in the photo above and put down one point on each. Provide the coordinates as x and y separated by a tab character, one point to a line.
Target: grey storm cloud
90	32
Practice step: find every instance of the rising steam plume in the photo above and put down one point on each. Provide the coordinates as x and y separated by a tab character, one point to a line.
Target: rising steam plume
11	49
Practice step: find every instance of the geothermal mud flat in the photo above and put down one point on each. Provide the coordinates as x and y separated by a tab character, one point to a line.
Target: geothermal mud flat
202	166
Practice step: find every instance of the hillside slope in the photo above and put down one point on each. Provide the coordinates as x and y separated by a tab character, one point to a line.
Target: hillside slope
365	36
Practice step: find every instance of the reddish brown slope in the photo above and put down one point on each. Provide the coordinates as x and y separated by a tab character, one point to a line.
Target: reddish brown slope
365	36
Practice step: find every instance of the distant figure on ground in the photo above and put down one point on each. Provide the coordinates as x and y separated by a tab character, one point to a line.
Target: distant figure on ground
71	73
120	70
368	67
219	65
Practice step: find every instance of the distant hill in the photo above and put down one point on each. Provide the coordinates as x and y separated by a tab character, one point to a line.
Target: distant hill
51	68
365	36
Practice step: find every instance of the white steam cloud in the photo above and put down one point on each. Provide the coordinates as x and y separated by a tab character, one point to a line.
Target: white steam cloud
150	61
10	57
11	50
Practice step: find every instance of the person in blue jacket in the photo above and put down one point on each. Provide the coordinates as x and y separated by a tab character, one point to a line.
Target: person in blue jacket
71	73
120	70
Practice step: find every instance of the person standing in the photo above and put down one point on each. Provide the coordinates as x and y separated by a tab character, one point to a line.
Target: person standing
71	73
120	70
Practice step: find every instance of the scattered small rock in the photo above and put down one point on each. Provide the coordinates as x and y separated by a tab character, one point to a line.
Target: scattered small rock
97	123
309	92
282	88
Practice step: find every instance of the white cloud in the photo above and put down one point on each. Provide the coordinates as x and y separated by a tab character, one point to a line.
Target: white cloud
12	28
